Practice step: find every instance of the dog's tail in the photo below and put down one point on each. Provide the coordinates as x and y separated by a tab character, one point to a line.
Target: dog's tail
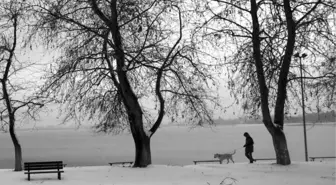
234	151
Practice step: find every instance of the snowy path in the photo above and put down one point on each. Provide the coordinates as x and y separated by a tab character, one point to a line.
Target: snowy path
312	173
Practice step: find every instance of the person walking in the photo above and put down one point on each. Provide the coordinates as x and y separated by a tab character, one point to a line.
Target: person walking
249	147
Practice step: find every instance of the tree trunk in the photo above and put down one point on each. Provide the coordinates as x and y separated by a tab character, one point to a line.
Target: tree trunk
280	147
142	150
134	111
11	115
17	146
17	149
141	140
129	98
7	99
276	130
279	143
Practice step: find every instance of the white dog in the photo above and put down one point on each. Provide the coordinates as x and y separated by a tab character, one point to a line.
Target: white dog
228	157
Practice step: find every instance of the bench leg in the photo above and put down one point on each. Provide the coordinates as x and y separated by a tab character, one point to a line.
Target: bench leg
59	176
29	176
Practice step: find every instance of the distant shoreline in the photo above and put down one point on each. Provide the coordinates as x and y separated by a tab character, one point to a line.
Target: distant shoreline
86	127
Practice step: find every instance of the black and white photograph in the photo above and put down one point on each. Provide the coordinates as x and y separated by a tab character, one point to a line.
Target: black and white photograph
168	92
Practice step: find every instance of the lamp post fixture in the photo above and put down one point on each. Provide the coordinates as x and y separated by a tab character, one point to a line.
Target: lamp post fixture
297	55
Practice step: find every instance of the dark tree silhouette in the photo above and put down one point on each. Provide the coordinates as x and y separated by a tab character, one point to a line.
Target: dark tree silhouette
11	18
264	36
125	65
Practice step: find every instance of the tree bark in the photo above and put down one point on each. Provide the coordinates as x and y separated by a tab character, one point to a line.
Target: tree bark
279	138
130	100
141	139
142	142
276	131
11	114
142	149
7	99
17	148
280	147
283	77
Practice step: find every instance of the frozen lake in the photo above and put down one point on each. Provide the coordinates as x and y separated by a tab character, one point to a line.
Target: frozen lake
173	145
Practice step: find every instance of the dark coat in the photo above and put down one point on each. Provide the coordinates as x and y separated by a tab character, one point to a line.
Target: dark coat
249	144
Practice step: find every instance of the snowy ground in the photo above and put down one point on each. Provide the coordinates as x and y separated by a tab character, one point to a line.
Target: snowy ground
173	150
311	173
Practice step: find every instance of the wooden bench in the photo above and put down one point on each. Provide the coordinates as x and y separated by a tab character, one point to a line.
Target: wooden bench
207	161
328	157
44	167
122	163
265	159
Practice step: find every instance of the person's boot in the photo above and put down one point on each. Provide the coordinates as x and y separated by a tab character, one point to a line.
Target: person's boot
253	160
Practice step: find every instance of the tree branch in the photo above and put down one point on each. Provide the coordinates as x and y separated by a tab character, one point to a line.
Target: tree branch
297	24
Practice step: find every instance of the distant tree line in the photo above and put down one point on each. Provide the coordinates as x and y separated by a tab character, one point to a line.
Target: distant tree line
322	117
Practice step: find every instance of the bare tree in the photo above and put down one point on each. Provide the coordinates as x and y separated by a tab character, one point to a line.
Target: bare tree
10	67
265	35
125	65
316	50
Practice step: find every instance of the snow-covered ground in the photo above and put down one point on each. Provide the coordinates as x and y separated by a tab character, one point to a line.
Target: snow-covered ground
311	173
173	150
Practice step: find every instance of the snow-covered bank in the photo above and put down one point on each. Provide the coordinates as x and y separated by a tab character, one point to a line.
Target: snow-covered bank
311	173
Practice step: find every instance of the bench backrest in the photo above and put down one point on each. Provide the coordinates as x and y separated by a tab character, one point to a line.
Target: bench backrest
207	161
49	165
322	157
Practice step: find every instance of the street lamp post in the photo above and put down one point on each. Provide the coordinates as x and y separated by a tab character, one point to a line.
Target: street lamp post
297	55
